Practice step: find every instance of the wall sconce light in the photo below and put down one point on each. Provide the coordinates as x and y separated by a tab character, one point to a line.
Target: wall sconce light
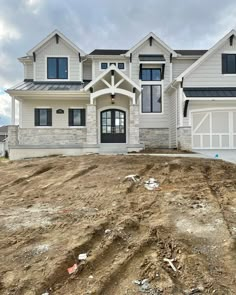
112	98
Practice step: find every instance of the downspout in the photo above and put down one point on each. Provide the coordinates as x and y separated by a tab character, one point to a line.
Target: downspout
176	119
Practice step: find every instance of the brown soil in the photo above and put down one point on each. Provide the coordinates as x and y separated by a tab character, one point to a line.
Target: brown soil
164	151
53	209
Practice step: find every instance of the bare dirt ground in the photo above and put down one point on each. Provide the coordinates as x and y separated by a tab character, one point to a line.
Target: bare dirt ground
54	209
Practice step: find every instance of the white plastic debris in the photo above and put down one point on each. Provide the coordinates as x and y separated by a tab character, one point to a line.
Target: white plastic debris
45	293
151	184
82	256
91	277
107	231
134	177
170	261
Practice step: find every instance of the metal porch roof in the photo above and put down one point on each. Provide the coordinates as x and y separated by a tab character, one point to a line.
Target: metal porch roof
210	92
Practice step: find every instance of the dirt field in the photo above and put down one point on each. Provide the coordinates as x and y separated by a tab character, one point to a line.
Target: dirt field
54	209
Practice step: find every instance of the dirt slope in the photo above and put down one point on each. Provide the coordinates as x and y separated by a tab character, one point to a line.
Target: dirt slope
56	208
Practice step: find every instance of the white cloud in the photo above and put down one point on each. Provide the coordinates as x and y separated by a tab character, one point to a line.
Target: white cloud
34	5
5	106
8	31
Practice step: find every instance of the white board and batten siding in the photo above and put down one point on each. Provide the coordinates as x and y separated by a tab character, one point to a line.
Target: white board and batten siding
153	120
58	120
209	73
53	49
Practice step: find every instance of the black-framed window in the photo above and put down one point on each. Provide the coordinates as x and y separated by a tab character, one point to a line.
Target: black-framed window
121	65
151	99
43	117
57	68
104	65
150	74
228	63
76	117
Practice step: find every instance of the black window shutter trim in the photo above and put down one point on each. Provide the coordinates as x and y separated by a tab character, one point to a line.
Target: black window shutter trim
224	63
83	120
36	117
71	123
49	117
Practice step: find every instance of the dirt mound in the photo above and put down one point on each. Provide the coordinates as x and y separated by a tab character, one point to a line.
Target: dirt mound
177	239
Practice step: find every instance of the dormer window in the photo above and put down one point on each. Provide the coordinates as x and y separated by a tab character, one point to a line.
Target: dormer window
57	68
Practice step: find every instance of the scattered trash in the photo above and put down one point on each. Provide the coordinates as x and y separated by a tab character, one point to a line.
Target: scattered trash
134	177
107	231
72	269
82	256
194	291
143	285
45	293
90	277
151	184
216	156
170	261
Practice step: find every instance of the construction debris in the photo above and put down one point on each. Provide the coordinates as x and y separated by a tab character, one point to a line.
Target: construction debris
170	261
133	177
82	256
151	184
72	269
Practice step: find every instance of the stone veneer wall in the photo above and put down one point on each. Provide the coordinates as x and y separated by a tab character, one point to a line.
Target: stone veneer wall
51	136
154	137
13	135
184	138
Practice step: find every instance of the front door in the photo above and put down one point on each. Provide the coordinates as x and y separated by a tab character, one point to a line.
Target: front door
113	126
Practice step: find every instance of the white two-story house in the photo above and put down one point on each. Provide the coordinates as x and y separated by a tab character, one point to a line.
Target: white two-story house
149	95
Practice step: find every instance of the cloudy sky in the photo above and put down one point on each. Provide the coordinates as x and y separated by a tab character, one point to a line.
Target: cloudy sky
182	24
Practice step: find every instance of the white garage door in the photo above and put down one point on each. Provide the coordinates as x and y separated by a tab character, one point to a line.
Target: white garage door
214	130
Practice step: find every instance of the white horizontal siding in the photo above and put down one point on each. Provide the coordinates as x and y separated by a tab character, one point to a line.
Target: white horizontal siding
58	120
87	70
180	65
209	73
28	71
51	48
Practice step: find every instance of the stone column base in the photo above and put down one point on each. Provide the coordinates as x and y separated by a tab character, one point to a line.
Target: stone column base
184	138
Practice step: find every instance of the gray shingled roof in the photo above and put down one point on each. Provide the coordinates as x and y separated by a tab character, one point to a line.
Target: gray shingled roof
108	51
48	86
190	52
123	51
210	92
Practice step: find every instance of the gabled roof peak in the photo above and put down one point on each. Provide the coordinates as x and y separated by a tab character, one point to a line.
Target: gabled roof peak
157	39
62	36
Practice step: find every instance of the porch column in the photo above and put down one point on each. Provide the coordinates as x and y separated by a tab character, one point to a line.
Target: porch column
134	124
13	112
91	124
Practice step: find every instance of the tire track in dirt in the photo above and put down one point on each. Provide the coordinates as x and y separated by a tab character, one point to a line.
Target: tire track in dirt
24	179
60	274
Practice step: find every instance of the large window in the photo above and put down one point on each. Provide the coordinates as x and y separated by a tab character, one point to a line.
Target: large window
57	68
43	117
151	99
151	74
228	63
76	117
